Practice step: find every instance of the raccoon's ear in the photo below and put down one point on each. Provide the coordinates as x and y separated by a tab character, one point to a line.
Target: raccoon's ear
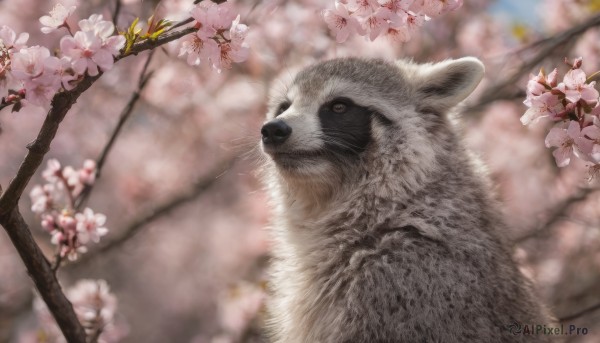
443	85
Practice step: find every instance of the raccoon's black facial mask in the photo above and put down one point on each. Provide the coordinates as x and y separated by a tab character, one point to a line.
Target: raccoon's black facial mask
346	126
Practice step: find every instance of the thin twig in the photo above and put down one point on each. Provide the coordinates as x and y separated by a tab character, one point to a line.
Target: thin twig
498	91
556	214
197	189
61	103
36	263
116	12
580	313
125	114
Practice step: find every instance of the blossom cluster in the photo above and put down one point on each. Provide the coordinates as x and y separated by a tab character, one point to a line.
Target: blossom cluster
573	103
55	203
95	307
34	74
220	36
397	19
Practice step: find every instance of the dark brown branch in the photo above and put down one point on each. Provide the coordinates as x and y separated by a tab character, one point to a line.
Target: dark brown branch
116	12
10	218
125	114
579	314
150	44
197	189
498	91
40	271
61	103
556	214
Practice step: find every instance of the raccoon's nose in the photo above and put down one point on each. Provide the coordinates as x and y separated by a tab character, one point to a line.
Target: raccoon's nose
275	132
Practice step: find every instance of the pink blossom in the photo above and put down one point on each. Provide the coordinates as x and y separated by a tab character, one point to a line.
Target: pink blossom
41	198
98	26
95	307
235	50
9	39
396	6
90	226
539	84
198	49
414	21
40	91
565	141
399	34
544	105
378	22
86	53
363	7
212	17
225	16
589	142
28	63
48	222
434	8
53	170
575	88
93	303
9	43
54	201
341	22
57	18
60	70
87	174
66	238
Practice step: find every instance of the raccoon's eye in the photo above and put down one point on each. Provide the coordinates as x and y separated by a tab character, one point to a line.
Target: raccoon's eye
282	108
339	107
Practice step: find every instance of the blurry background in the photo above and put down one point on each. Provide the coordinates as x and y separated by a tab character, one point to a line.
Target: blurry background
195	273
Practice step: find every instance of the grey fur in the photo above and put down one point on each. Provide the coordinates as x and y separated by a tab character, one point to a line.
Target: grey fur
402	242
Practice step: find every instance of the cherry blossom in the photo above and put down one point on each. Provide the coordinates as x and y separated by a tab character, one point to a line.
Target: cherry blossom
341	23
96	308
219	39
564	140
198	49
363	7
90	226
574	87
573	102
28	63
396	19
60	71
52	171
544	105
86	53
434	8
57	18
55	202
9	39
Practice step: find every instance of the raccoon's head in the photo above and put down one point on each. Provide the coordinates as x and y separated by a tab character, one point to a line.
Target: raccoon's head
339	116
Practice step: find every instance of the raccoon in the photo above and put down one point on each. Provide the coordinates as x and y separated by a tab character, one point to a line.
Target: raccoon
384	228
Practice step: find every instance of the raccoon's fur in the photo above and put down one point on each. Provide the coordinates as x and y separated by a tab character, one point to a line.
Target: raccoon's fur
384	229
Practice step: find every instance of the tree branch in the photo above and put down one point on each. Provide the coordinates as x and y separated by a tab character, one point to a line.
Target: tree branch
498	91
125	114
40	271
581	313
198	188
61	103
556	214
115	15
10	218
